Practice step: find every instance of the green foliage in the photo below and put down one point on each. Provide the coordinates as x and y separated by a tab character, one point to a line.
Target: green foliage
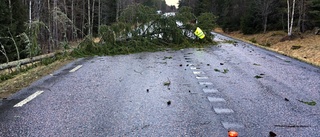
32	47
315	12
207	22
311	103
152	33
138	13
185	15
253	40
11	24
250	23
202	6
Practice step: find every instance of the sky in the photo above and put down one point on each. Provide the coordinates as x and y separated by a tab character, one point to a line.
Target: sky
172	2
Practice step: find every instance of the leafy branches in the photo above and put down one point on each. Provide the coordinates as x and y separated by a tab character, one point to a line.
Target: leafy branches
141	29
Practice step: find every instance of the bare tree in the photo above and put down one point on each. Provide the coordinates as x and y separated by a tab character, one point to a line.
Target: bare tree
92	17
265	8
302	15
290	15
89	18
99	16
55	24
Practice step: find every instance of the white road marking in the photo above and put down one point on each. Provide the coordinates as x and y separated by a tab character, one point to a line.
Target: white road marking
198	72
25	101
228	125
205	83
207	90
76	68
194	68
223	110
214	99
202	77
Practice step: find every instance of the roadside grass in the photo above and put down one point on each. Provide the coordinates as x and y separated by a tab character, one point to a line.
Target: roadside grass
306	48
11	73
17	80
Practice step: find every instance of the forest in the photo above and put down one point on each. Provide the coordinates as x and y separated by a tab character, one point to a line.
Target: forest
33	27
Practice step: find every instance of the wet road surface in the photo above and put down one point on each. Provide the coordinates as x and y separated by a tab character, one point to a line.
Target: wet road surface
190	92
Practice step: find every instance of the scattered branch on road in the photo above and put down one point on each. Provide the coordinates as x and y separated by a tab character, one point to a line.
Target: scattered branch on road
311	103
167	83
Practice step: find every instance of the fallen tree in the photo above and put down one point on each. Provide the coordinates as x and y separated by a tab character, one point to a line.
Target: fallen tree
140	28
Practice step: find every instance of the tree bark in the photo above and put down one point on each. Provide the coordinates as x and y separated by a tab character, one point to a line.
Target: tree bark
73	22
92	17
290	16
99	16
30	14
55	25
49	26
89	19
10	10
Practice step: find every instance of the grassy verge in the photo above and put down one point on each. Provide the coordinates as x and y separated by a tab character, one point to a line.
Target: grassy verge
18	79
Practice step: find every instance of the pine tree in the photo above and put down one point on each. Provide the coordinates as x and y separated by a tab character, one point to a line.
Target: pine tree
315	12
11	24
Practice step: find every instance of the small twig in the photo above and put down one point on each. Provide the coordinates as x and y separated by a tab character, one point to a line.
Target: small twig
137	72
167	83
292	126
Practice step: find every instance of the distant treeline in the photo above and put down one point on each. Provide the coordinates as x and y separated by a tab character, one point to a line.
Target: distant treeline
254	16
33	27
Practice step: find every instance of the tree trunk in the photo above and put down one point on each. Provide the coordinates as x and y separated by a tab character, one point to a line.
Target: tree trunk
73	22
83	18
55	25
290	16
10	10
303	27
265	24
92	17
49	26
99	16
89	19
118	10
30	14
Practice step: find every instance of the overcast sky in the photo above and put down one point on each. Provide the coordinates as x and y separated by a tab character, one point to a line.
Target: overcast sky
172	2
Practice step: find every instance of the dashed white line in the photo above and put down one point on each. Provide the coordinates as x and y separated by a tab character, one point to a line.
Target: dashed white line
76	68
207	90
198	72
223	110
228	125
205	83
214	99
194	68
28	99
202	77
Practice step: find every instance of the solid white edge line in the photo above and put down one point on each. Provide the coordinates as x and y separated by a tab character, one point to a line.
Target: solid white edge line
25	101
76	68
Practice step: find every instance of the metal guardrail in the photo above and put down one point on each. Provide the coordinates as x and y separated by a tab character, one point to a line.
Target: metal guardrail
25	61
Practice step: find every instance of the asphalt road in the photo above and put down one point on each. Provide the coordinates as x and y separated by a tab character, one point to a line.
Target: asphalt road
190	92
